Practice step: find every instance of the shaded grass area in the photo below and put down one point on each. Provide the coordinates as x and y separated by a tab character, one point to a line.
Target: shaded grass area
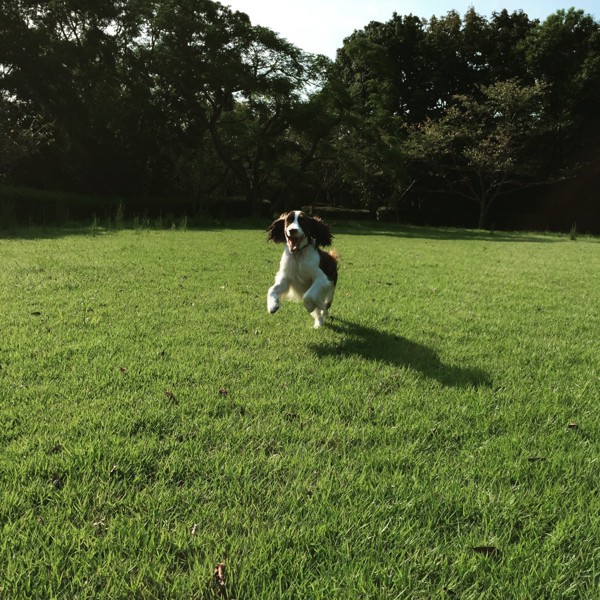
438	438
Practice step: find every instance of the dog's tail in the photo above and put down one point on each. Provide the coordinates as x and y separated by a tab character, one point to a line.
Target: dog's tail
335	255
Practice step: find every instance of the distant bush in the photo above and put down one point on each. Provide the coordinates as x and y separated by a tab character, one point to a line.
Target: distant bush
27	206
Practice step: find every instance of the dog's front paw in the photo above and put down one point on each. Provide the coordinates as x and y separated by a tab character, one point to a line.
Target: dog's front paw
272	305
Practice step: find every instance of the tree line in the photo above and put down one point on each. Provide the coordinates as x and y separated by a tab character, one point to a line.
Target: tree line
453	119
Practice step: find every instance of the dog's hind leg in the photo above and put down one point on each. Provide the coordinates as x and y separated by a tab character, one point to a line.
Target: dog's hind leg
319	316
317	294
317	300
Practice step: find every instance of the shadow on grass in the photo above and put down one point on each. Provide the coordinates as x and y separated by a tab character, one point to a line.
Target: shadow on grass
444	233
43	232
374	345
50	232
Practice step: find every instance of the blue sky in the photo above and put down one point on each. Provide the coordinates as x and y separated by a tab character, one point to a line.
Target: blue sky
320	26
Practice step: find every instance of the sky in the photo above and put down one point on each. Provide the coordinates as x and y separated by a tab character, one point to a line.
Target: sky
320	26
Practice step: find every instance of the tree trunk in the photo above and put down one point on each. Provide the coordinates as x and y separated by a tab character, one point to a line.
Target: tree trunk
255	202
483	211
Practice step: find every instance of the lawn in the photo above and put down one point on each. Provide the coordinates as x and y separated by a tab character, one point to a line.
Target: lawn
438	438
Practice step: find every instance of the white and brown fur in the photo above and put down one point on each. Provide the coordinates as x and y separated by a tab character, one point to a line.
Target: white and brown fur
306	272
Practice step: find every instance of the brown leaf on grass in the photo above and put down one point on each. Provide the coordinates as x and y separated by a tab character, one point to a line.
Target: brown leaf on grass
171	396
57	481
124	370
223	392
219	575
572	426
486	550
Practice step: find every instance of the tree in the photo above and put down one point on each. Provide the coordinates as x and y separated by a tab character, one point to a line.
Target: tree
20	134
564	52
72	62
406	71
382	79
479	148
235	86
145	92
507	47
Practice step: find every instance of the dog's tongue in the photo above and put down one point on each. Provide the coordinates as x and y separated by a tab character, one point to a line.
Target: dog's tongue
293	243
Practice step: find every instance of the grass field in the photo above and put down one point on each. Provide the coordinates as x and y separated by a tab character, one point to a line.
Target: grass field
439	438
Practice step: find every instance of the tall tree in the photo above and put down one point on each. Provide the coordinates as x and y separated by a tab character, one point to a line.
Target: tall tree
506	50
70	60
478	149
141	89
405	71
384	75
564	52
234	84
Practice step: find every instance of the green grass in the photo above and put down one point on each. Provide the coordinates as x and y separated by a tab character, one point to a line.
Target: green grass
439	438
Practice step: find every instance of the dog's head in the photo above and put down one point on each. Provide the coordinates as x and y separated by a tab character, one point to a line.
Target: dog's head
298	230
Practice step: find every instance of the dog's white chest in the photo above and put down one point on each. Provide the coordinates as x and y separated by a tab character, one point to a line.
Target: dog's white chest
301	269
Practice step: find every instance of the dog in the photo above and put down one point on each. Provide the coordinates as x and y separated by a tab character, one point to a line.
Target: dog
306	272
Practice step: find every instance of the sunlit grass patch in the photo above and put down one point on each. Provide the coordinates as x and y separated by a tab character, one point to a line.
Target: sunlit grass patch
439	436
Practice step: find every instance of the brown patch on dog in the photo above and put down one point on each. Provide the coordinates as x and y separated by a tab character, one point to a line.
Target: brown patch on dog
276	230
329	264
316	229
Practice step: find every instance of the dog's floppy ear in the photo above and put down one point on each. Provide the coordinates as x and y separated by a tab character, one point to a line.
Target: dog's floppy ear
277	230
319	231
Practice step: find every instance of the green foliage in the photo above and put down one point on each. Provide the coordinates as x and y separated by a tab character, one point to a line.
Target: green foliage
439	437
440	74
564	52
479	147
143	93
188	98
20	134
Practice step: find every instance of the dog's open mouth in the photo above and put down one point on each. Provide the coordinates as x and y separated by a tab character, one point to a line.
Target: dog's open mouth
295	243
